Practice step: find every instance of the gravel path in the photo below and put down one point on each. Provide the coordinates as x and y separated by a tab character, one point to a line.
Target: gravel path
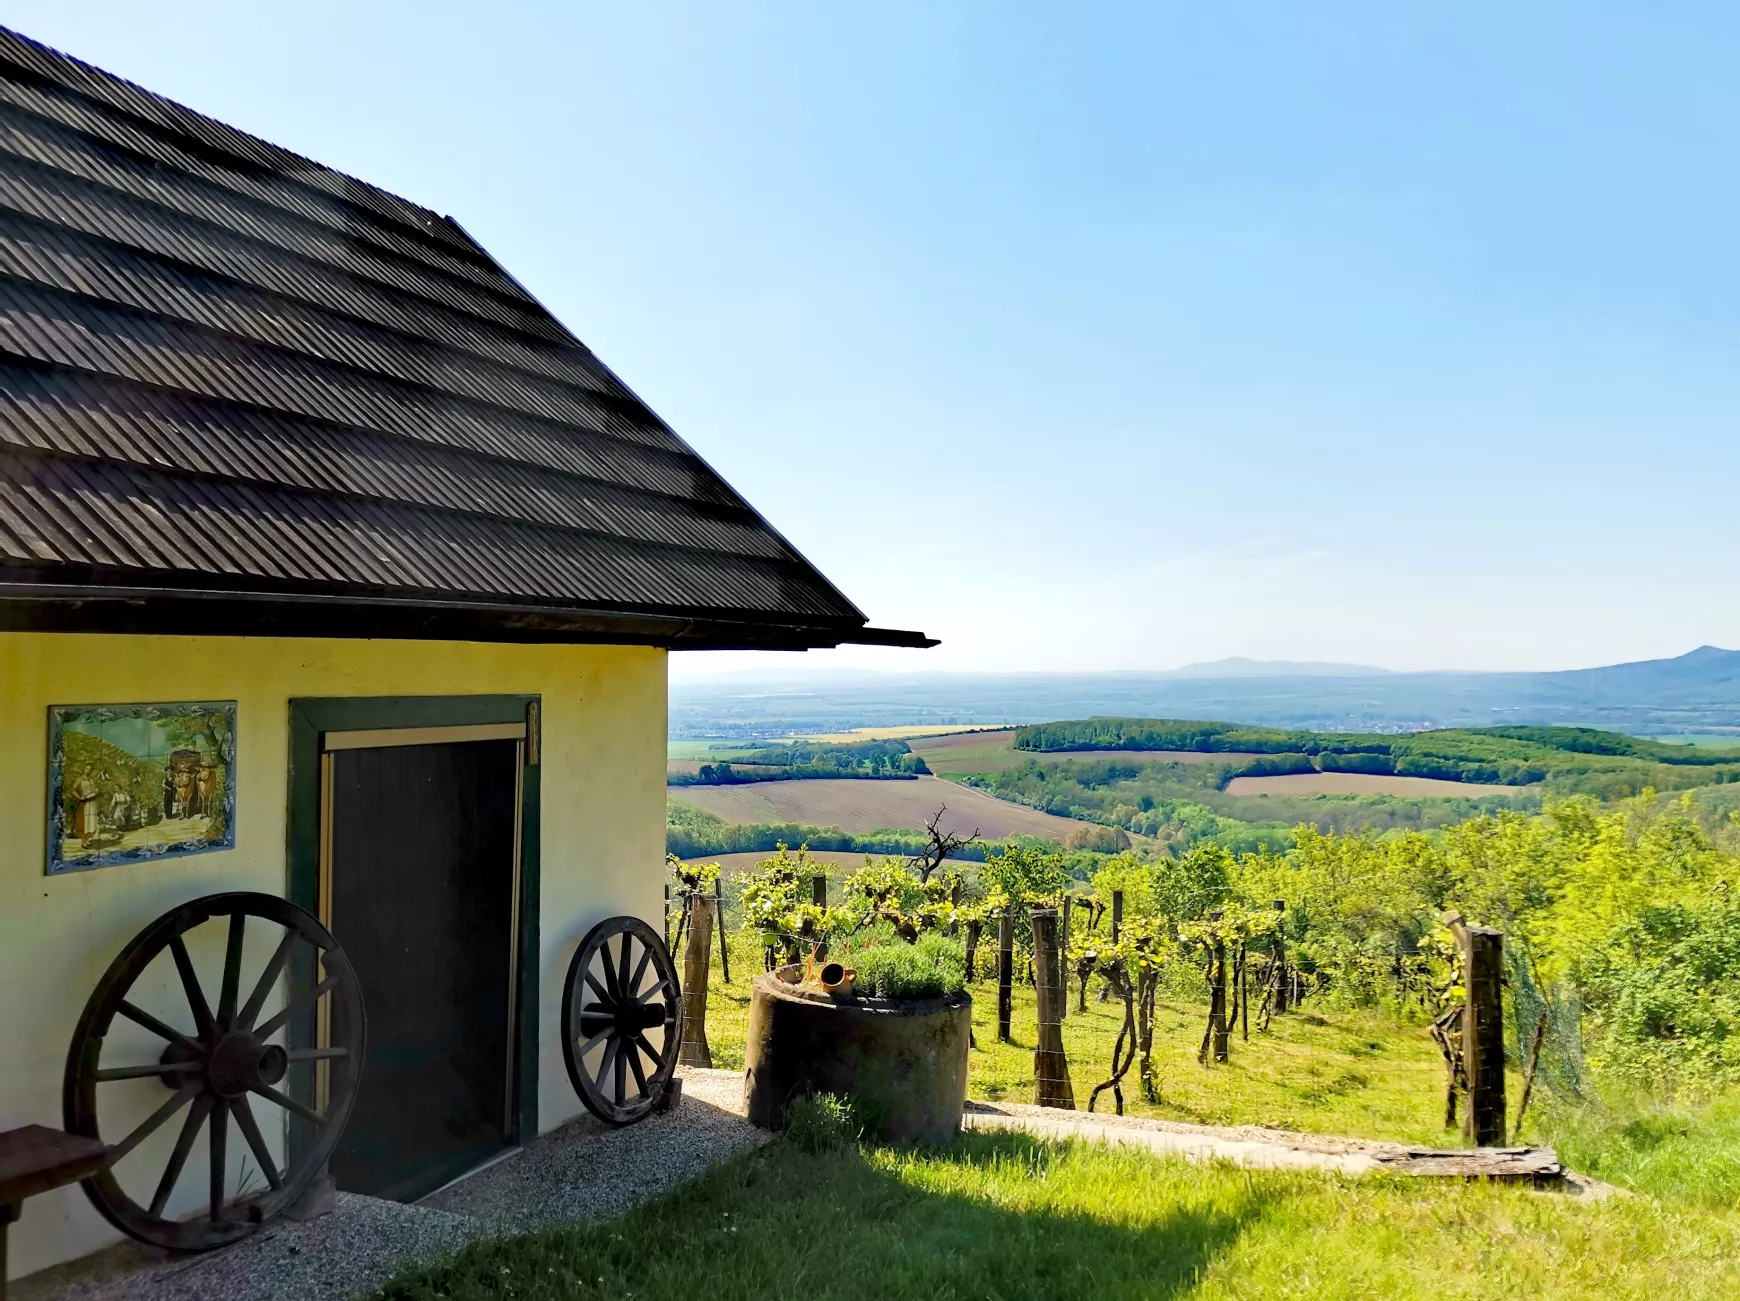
583	1171
1275	1149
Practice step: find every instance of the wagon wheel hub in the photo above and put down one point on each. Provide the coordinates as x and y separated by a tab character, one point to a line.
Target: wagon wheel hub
240	1062
631	1018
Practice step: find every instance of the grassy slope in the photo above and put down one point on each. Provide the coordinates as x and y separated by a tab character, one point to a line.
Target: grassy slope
1006	1216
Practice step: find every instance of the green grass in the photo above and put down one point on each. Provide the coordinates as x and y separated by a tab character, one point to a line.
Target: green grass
1687	1154
1317	1071
1009	1216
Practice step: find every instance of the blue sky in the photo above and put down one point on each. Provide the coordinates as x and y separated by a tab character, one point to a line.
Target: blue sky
1104	336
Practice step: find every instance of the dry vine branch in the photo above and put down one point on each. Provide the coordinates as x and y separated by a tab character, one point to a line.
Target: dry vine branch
1124	1051
941	844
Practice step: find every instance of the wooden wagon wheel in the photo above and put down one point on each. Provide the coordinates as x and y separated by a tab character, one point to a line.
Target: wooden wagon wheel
622	1020
258	1043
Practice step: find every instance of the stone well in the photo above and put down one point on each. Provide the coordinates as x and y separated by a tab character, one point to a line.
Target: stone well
903	1063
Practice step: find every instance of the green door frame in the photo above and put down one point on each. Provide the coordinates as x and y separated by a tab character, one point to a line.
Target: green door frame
310	719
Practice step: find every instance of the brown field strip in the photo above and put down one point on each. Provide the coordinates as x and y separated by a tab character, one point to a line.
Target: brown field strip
994	751
857	807
1359	783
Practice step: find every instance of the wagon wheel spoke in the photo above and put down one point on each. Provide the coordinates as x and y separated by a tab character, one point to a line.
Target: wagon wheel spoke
226	1013
626	990
202	1016
299	1003
289	1104
601	991
184	1095
146	1072
612	1047
622	1074
633	1055
584	1046
268	978
316	1054
220	1133
613	991
661	986
178	1158
250	1128
143	1018
646	958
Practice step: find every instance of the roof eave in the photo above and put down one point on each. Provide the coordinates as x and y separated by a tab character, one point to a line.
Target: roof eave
80	608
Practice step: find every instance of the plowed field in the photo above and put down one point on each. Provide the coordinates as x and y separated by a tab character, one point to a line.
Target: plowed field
995	751
1359	783
857	807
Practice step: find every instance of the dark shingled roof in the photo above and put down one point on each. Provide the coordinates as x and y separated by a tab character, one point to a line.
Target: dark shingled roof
241	392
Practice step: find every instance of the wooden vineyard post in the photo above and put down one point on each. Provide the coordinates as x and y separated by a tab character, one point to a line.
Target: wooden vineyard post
1117	933
1063	957
1280	972
819	890
975	928
1005	972
724	948
1483	1122
694	1050
1244	997
1050	1064
1221	1046
955	909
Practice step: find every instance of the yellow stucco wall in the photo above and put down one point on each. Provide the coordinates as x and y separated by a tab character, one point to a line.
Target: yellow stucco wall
602	827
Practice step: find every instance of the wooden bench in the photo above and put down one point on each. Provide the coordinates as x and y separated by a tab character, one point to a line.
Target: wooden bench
36	1159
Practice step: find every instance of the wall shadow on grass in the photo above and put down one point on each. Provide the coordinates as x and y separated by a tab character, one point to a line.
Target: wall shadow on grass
992	1216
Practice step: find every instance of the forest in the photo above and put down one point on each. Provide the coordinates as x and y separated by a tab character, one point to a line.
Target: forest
799	760
1563	760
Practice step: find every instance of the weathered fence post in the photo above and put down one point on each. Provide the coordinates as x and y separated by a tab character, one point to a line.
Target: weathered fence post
724	948
1221	1047
1280	975
1050	1064
975	928
1483	1122
819	890
1063	957
955	910
1244	997
694	1050
1005	972
1117	932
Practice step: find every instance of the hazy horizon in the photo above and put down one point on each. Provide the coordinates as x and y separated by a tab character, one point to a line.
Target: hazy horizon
1106	337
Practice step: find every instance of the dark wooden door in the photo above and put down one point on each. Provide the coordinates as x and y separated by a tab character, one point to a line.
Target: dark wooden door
422	881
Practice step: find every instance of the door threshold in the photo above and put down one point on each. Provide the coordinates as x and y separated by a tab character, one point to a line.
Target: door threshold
478	1169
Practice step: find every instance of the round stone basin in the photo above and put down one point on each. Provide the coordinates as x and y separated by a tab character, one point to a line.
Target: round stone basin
903	1064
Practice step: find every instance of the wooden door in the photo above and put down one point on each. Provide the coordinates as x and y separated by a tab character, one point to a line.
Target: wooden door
419	885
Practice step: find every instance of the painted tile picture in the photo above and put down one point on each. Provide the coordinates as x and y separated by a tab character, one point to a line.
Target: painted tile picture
134	782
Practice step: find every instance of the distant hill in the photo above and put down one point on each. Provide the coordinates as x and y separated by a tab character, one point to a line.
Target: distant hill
1240	667
1695	692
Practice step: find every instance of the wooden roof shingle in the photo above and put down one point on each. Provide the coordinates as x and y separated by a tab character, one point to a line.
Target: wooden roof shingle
243	393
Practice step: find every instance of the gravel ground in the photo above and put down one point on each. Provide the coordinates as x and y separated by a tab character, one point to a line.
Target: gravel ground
585	1170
